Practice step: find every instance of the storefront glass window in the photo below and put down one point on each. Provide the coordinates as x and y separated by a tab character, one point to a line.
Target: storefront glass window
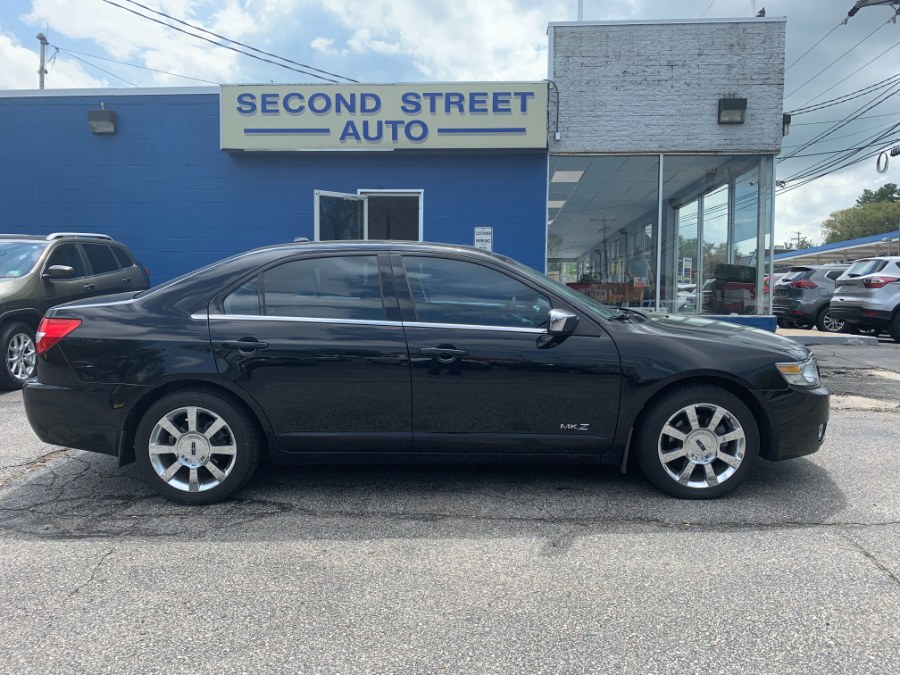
604	238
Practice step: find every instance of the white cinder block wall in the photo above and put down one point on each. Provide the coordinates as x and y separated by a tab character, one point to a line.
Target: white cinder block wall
654	87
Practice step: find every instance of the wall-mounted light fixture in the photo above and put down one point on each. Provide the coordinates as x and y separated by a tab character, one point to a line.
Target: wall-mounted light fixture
102	121
732	110
785	124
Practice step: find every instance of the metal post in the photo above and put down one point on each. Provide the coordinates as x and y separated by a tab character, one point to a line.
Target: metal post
581	10
42	70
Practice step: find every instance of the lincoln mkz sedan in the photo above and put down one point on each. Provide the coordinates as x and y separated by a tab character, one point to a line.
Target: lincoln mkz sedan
374	351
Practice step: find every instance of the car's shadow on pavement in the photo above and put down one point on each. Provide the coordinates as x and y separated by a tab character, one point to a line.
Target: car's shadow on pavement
85	495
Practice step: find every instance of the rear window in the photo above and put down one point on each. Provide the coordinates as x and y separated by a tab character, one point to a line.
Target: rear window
797	273
862	267
18	258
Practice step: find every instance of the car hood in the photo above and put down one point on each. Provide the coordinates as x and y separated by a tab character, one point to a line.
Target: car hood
701	328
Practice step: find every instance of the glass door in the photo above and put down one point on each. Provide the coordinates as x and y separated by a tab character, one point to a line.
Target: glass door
339	216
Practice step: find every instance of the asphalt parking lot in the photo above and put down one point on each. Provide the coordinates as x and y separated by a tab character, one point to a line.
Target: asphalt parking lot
505	569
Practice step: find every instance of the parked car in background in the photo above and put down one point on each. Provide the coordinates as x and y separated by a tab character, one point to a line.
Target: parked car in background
802	297
386	350
868	295
37	272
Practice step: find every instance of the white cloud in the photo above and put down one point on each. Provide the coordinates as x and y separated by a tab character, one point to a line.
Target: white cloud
463	40
323	45
20	69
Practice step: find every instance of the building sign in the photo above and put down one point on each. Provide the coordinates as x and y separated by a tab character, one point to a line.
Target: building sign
484	238
384	116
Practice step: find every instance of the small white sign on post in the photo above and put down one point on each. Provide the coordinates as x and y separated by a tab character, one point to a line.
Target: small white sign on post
484	238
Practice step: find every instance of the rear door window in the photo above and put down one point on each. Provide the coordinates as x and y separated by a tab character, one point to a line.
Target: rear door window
337	287
101	258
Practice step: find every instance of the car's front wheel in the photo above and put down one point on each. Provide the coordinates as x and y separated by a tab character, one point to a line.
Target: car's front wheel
197	448
697	442
19	355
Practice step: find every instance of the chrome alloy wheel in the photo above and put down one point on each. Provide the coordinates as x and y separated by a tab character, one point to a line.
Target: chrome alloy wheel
701	446
192	449
21	356
831	324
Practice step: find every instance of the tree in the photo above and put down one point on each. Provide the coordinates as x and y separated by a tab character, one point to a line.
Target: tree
870	218
889	192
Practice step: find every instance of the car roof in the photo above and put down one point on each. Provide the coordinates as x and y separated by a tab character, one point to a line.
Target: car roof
374	245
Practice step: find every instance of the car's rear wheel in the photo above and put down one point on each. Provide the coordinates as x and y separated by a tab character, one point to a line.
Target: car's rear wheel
697	442
19	355
827	323
197	448
894	326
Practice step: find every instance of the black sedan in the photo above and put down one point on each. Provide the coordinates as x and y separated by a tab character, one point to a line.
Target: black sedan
382	350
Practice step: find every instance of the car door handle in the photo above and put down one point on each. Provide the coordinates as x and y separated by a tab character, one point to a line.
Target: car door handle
90	287
126	280
442	352
244	345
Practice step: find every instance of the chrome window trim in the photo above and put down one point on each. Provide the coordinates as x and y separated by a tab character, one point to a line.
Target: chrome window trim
364	322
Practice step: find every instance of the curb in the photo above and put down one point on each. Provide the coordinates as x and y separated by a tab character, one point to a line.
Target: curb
833	339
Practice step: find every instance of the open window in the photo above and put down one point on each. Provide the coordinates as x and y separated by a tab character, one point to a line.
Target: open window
371	214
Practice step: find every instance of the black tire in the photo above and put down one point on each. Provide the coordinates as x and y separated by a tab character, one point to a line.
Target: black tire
19	355
894	326
232	451
652	444
828	324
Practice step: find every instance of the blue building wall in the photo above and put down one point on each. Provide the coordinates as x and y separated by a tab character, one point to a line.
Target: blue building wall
162	186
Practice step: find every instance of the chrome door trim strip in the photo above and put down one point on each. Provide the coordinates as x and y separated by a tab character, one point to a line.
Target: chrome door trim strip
364	322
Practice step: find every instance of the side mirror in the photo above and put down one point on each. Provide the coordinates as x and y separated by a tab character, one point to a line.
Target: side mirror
59	272
562	322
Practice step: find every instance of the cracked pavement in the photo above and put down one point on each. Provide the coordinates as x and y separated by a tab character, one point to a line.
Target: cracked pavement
484	569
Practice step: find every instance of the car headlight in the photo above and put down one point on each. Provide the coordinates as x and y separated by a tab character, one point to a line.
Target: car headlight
804	374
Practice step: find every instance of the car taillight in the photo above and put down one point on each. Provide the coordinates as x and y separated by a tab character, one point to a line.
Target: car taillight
803	283
51	331
879	282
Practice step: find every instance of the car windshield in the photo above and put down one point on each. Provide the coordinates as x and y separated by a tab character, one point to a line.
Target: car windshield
605	311
862	267
18	258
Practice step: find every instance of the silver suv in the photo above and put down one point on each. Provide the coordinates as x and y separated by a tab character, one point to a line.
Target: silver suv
38	272
868	295
803	297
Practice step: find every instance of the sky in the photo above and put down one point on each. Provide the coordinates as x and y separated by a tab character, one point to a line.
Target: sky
470	40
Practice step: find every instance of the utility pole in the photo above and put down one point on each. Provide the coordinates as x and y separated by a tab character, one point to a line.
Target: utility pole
799	234
42	70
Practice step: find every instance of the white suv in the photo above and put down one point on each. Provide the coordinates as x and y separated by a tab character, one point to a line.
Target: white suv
867	295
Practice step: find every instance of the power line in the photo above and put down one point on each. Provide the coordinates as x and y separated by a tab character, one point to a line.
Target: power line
708	7
854	115
894	46
847	97
834	152
88	63
864	117
72	52
835	138
813	47
222	37
219	44
837	59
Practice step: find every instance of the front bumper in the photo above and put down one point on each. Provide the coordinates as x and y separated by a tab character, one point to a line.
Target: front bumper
84	417
799	420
